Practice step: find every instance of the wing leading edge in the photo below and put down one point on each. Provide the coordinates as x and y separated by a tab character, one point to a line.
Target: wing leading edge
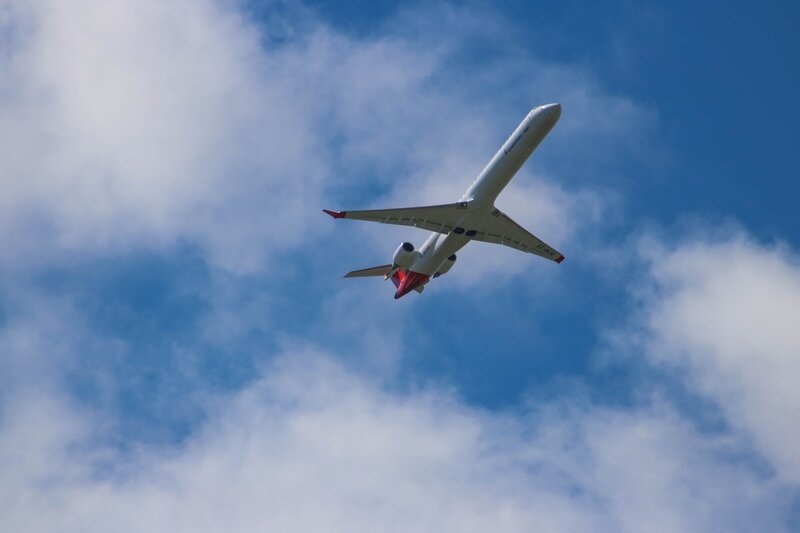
440	218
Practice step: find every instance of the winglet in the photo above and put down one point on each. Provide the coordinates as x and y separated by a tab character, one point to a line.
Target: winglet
336	214
560	258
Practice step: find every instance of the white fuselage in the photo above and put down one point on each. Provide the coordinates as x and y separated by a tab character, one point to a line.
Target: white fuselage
488	185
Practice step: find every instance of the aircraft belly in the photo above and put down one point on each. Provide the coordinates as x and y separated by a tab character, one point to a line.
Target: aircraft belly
429	263
508	160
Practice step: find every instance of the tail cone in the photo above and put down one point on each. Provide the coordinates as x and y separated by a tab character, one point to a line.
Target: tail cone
409	282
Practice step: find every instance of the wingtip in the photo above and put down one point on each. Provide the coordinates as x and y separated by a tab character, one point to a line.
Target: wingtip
560	259
336	214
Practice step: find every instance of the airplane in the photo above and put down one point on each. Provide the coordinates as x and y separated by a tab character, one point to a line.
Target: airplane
473	217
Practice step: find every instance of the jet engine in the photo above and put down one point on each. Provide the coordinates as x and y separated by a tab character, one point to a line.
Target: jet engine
446	266
404	256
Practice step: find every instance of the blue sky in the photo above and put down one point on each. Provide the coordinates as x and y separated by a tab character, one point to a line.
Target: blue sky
178	349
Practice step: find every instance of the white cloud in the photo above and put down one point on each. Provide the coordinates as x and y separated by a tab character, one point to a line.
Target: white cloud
127	124
314	446
131	124
725	309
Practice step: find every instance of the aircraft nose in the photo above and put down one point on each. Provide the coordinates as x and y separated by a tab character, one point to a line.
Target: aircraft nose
552	111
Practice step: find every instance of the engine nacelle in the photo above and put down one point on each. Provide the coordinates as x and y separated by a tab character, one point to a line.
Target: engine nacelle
404	256
446	266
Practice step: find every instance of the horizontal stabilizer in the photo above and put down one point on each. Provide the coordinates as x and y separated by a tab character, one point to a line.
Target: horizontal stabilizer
369	272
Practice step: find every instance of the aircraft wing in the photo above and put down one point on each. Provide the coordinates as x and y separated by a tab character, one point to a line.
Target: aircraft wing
499	228
440	218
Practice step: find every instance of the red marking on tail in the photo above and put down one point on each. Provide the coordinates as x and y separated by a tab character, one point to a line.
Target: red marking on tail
398	278
409	282
336	214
